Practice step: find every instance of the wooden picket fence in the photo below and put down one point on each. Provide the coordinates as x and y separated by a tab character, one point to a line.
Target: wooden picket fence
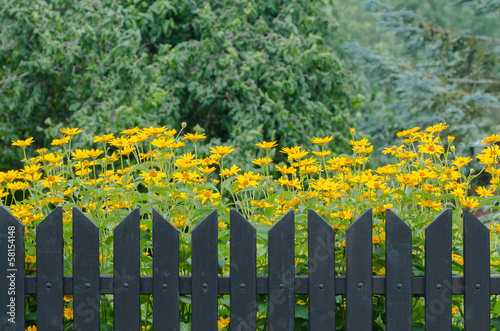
281	285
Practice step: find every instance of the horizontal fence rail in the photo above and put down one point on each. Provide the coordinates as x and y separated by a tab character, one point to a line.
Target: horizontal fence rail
243	285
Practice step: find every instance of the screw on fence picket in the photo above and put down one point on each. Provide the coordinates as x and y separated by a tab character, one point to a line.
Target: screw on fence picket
359	274
398	266
204	279
438	286
281	303
49	264
165	274
85	273
12	266
321	241
126	272
476	273
243	273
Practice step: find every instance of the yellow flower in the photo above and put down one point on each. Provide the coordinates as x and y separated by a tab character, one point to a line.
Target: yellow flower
431	204
469	203
358	144
484	192
152	131
57	142
23	143
15	186
68	297
437	128
31	169
130	132
290	150
407	132
322	154
103	138
262	161
285	170
206	170
68	313
321	141
52	158
153	175
232	171
221	225
94	152
291	183
205	195
194	137
222	322
50	180
261	204
297	155
80	154
431	147
31	328
70	132
163	143
461	161
221	150
491	139
267	144
457	258
120	142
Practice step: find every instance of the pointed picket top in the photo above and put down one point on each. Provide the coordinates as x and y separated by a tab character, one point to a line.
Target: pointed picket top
476	273
12	241
165	274
126	272
49	265
398	266
85	272
438	273
6	216
204	269
281	304
243	271
359	273
321	245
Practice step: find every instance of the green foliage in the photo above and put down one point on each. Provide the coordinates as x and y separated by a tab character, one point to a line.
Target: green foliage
421	72
244	70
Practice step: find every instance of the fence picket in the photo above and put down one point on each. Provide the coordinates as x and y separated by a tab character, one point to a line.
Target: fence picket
243	273
204	269
321	241
476	273
398	266
165	274
85	273
438	273
126	272
12	266
281	302
49	268
359	273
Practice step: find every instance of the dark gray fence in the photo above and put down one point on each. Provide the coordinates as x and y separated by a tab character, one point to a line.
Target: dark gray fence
281	284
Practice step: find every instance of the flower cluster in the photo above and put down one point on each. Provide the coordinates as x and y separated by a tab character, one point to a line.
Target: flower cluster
161	168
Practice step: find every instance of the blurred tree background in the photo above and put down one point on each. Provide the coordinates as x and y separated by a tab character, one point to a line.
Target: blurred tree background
248	71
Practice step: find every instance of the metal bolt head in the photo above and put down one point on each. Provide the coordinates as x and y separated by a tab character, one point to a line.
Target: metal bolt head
49	285
87	285
125	285
478	286
399	286
321	286
438	286
360	285
205	286
165	286
242	286
282	286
